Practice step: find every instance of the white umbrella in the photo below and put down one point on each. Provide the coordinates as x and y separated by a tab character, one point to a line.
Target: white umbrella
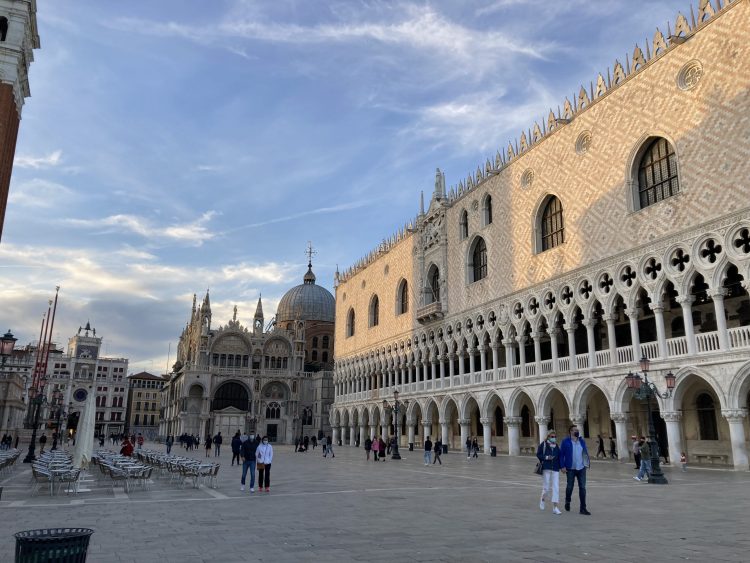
85	433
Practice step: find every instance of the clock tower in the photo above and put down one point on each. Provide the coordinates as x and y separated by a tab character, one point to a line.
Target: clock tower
18	39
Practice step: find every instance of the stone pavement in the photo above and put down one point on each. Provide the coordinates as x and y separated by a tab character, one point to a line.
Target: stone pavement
347	509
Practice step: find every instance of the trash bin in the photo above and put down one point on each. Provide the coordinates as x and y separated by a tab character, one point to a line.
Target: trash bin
493	451
445	448
62	545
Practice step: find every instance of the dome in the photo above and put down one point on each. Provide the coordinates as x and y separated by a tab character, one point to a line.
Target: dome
307	302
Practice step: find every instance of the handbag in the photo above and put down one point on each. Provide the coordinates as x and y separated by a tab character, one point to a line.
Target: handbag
261	465
539	470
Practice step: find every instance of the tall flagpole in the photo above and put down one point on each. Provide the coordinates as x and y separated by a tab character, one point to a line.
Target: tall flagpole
33	374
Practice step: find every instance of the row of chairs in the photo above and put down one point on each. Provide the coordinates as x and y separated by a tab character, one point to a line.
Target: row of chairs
8	460
140	476
180	469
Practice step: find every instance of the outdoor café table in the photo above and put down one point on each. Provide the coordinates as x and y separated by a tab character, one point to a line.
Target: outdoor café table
56	474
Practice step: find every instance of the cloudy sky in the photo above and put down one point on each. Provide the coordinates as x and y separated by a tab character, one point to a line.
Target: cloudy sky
174	146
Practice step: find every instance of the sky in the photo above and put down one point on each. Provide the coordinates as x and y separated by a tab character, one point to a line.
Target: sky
175	146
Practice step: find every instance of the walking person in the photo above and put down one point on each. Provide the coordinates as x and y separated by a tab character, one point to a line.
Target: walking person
574	459
140	441
474	448
329	441
636	451
324	443
236	444
683	461
264	455
645	460
427	451
612	448
600	447
42	442
208	446
468	448
381	443
169	442
248	451
368	449
375	448
438	451
218	440
548	454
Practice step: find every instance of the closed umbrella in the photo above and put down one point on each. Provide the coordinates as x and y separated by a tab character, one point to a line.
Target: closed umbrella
85	433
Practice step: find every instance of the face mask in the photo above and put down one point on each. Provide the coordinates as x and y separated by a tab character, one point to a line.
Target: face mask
265	441
576	434
552	440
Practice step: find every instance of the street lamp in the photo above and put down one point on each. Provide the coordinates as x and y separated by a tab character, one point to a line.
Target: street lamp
396	406
7	344
37	400
643	389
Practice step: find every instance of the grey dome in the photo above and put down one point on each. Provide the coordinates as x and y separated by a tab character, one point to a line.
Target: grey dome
307	302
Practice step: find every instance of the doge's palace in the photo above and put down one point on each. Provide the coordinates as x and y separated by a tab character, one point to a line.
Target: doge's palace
617	227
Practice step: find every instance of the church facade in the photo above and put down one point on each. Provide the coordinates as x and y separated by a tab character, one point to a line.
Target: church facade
616	228
274	380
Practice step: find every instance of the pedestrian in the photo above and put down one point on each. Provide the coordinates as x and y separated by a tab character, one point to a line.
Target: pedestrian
127	448
169	442
645	460
636	451
375	448
15	446
236	444
612	448
248	451
329	442
548	454
208	446
574	459
600	447
140	441
42	442
296	444
468	448
314	442
427	451
101	443
474	448
683	461
438	451
368	449
381	443
306	442
264	455
218	440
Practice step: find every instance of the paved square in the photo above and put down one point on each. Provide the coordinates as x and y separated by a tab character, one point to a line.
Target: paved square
347	509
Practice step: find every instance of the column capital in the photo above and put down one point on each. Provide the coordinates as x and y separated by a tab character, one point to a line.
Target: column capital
521	339
463	421
609	317
542	419
686	300
452	355
485	420
633	313
433	361
442	421
509	342
734	415
554	332
671	416
427	422
719	293
576	419
513	420
571	328
536	335
495	345
590	323
619	417
657	308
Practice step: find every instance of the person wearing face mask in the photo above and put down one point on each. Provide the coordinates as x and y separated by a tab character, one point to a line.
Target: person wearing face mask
574	459
264	456
548	453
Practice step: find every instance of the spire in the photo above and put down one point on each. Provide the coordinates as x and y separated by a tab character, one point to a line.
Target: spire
259	309
207	302
258	319
421	203
439	185
309	277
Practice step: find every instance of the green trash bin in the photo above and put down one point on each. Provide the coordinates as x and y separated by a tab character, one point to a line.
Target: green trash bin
53	545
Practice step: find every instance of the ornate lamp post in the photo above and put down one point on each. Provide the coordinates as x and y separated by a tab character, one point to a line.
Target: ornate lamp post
37	400
7	344
396	407
643	389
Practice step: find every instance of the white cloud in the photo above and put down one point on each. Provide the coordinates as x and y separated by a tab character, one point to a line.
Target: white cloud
194	232
319	211
39	193
26	161
499	5
270	272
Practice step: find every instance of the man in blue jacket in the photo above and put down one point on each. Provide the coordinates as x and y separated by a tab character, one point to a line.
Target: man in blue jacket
574	459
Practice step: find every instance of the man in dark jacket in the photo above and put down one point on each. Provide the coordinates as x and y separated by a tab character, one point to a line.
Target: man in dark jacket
248	450
438	451
236	444
428	451
574	459
217	444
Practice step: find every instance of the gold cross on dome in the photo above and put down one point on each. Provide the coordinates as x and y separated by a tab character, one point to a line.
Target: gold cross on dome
310	252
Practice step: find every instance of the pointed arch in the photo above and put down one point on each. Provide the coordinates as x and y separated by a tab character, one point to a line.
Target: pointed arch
374	311
549	224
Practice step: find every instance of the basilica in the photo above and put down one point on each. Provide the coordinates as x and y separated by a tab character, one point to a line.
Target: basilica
274	379
614	230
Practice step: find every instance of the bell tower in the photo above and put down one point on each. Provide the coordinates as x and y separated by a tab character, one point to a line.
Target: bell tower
18	39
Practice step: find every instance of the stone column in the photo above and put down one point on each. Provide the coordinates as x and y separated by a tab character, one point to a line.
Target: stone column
433	369
590	341
472	367
543	423
537	337
336	434
482	359
495	360
611	338
362	434
553	333
373	429
411	425
486	434
461	363
736	420
426	430
634	334
686	303
425	365
451	364
661	335
621	428
514	443
521	354
674	434
508	343
442	366
444	427
352	437
465	429
721	318
572	346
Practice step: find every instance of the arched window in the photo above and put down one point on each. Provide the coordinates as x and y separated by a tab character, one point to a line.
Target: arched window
525	422
478	265
315	342
498	421
324	357
273	411
657	173
3	28
463	230
707	427
350	323
231	394
314	355
552	225
434	293
374	311
325	342
402	298
487	210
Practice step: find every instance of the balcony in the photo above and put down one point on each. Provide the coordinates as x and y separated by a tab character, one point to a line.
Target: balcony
432	312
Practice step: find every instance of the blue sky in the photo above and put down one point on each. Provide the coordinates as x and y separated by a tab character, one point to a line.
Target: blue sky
177	145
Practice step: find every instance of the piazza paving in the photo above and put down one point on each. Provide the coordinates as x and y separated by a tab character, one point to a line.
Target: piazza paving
348	509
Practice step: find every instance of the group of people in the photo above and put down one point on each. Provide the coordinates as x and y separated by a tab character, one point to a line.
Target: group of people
377	447
472	447
429	448
216	442
189	441
256	453
303	444
600	452
7	442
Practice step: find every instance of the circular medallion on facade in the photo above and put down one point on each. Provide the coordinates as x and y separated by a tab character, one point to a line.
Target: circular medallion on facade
80	395
690	75
475	205
527	178
583	142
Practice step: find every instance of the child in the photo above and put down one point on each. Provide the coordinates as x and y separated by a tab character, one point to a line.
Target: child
683	461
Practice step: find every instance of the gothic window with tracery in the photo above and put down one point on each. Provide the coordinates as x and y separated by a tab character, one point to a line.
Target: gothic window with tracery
464	226
273	410
402	298
350	323
657	173
374	311
488	210
553	227
478	266
434	285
